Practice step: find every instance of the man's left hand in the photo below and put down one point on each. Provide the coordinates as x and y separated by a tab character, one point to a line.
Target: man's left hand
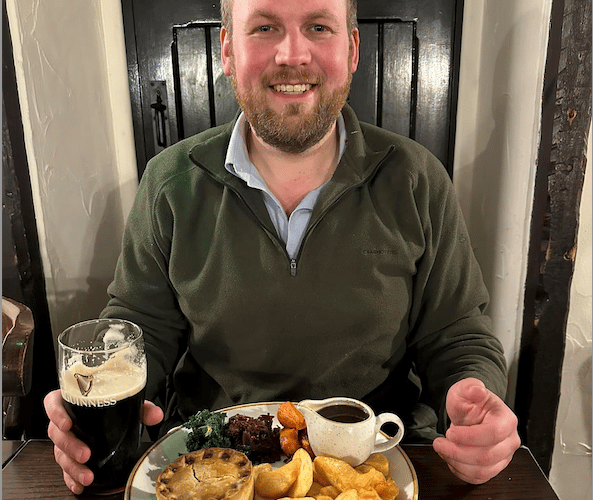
483	434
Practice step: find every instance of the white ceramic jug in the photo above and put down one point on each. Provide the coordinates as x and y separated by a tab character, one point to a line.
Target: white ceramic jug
347	429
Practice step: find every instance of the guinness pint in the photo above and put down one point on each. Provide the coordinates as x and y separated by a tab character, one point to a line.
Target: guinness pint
102	379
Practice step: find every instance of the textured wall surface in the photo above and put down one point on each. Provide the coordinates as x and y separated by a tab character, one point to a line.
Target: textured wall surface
503	58
64	87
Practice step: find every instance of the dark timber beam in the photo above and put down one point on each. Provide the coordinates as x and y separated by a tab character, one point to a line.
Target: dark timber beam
566	119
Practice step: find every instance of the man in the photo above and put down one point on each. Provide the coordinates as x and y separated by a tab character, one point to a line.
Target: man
297	253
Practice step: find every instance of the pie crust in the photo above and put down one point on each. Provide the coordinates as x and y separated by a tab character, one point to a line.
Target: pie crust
208	474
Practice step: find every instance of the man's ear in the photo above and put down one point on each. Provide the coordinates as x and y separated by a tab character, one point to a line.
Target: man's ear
225	51
355	44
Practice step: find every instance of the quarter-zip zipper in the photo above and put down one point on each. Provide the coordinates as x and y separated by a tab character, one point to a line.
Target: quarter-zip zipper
293	261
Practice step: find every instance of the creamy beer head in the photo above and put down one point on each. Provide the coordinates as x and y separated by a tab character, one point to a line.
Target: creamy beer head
118	378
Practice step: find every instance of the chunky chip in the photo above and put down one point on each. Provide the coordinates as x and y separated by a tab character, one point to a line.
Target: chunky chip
318	476
372	476
351	494
259	468
340	474
368	494
276	483
368	482
304	478
314	490
387	490
325	478
330	491
379	462
256	471
296	498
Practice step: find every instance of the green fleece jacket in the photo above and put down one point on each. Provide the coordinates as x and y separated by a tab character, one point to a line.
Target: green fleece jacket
384	301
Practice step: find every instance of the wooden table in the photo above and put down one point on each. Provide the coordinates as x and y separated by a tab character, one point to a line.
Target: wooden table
32	474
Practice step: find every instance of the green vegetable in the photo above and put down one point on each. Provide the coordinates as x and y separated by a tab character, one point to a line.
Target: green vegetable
207	430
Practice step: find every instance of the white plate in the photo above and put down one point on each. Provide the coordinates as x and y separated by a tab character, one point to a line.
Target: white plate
141	484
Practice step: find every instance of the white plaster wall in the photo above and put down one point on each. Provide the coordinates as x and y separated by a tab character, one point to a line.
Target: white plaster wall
72	82
571	462
503	57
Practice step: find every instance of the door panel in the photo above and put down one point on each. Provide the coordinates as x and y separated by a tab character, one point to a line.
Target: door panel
406	80
204	94
224	96
399	77
192	85
382	86
368	64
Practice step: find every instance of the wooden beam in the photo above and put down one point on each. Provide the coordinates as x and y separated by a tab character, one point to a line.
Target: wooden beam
566	119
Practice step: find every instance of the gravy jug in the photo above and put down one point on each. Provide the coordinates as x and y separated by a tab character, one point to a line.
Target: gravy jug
347	429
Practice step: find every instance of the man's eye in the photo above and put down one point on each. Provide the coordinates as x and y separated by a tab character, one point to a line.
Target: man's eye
264	29
318	28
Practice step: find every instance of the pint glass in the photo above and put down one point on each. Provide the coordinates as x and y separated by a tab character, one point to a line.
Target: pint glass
102	371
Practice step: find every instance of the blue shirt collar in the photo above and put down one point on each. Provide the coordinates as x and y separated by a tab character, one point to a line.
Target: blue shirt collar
237	160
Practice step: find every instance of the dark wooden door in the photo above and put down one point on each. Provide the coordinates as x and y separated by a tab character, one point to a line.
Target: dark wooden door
406	79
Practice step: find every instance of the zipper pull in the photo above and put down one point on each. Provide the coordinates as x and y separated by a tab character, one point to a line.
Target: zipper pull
293	266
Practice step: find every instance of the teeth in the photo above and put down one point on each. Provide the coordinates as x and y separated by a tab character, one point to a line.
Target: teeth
292	89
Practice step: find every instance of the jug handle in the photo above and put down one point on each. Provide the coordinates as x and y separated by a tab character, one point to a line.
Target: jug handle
391	441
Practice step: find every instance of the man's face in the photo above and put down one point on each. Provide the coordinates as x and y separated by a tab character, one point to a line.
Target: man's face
291	63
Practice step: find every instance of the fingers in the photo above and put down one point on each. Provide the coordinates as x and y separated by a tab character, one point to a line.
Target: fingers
76	475
493	429
463	385
467	401
483	436
477	475
151	414
59	427
74	486
54	407
68	444
496	424
477	464
481	456
70	453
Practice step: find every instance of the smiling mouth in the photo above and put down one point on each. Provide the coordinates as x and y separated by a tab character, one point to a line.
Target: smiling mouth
288	89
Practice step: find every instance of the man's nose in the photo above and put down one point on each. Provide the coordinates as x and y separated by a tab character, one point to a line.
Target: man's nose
293	50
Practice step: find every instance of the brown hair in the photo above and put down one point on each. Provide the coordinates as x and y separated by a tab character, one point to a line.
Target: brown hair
226	12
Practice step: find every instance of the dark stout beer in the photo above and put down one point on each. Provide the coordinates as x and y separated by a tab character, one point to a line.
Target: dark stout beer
108	417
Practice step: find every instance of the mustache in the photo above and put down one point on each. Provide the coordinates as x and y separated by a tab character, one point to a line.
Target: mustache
286	74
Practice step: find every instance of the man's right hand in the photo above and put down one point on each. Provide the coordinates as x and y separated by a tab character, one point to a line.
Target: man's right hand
70	452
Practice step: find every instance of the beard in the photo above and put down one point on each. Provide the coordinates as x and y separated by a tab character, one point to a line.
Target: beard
281	130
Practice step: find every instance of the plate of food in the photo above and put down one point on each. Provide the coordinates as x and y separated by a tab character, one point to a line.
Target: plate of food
166	454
